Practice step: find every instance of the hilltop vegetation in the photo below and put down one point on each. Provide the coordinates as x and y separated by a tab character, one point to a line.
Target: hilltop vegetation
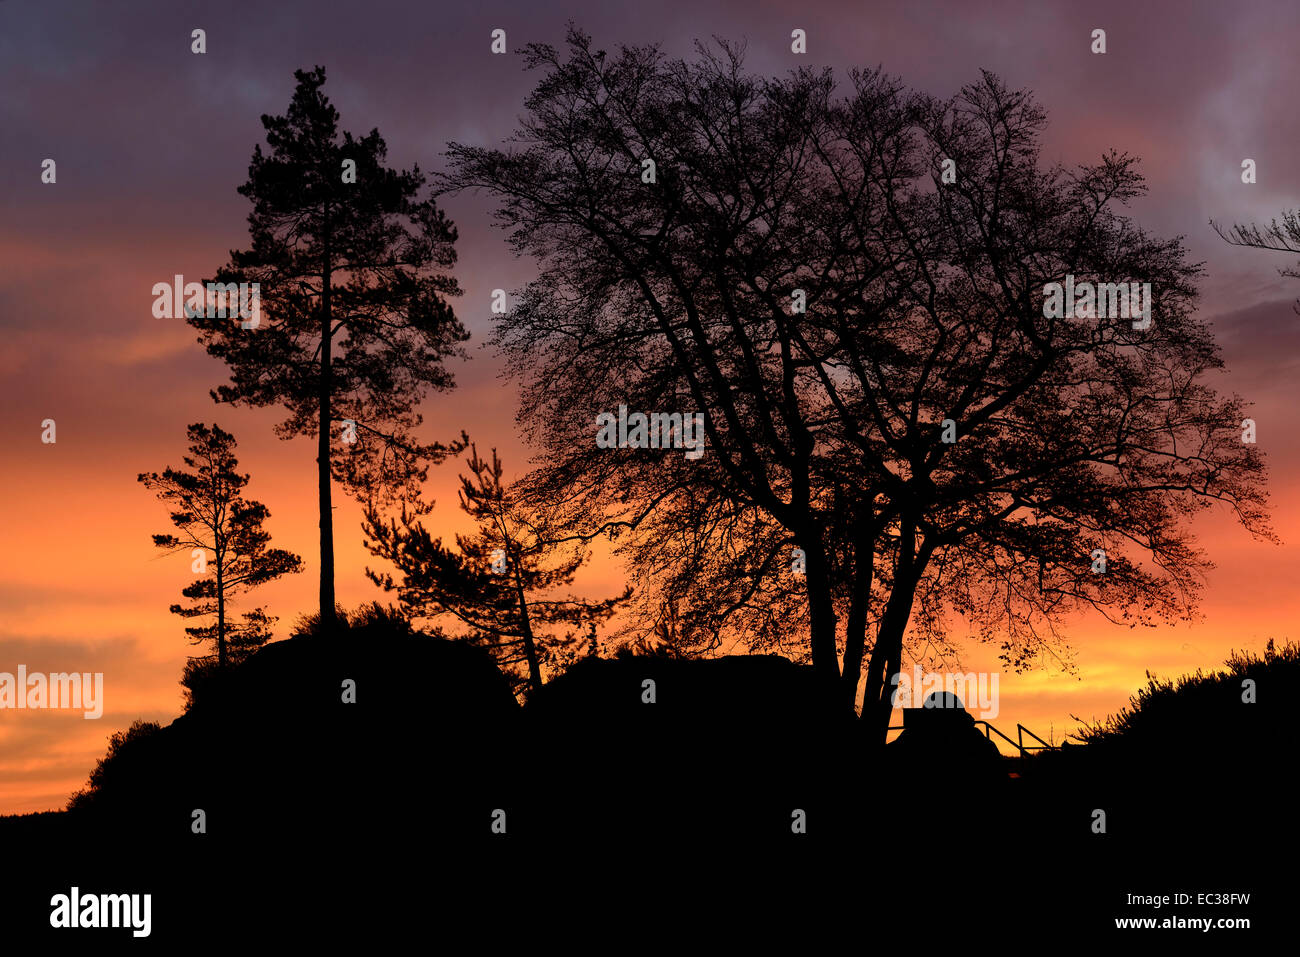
1241	708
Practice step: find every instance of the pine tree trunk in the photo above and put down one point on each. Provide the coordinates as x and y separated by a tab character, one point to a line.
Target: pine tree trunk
530	645
323	458
221	615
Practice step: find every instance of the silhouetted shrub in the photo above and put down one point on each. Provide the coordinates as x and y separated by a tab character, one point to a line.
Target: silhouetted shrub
1203	712
126	751
371	619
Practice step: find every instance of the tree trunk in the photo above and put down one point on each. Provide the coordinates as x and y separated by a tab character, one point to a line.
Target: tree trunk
886	656
221	612
323	458
877	702
855	638
821	620
530	646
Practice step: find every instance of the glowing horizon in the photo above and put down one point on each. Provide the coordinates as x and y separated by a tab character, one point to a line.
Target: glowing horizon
143	194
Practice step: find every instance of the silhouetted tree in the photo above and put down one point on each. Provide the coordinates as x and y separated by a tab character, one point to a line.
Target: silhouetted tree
501	582
851	291
212	516
354	323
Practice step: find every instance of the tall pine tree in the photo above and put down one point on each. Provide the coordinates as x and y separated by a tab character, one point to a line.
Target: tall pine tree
352	326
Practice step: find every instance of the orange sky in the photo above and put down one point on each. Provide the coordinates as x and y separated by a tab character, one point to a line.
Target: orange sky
144	193
83	589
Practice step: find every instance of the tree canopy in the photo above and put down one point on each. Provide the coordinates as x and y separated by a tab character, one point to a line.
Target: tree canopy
850	287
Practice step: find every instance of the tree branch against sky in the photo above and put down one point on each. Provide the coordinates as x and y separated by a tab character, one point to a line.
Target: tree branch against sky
505	587
1278	237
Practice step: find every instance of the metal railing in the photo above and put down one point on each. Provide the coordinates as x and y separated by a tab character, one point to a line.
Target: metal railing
1022	749
1019	743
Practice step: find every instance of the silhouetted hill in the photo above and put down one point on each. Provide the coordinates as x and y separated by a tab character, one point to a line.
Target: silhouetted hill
728	745
436	791
283	743
731	745
1201	745
1246	708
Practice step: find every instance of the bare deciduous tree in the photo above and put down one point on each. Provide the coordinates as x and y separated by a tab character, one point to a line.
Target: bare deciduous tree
866	336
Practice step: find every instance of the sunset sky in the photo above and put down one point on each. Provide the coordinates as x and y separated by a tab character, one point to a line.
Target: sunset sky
151	142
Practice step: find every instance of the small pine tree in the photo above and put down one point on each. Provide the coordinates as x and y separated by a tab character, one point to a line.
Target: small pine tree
212	516
500	583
